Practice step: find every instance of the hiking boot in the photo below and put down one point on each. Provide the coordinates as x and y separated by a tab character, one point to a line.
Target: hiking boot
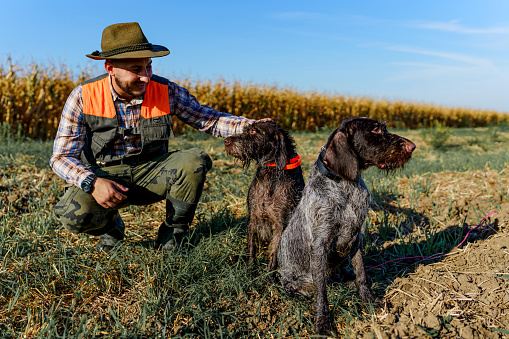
109	239
170	237
179	215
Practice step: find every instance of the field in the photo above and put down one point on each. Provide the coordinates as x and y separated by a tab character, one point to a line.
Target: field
54	284
32	97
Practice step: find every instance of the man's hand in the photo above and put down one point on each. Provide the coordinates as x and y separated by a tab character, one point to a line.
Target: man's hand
264	120
108	193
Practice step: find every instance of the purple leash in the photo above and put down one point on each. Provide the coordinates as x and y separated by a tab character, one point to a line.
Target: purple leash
440	254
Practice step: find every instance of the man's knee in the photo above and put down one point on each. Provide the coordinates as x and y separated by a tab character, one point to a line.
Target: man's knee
194	165
197	161
189	169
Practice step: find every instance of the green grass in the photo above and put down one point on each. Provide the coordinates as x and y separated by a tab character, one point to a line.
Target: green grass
54	285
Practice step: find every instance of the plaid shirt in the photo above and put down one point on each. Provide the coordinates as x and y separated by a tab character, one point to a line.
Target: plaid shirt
70	138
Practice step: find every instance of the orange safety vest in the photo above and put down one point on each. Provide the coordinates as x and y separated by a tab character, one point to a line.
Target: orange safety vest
100	119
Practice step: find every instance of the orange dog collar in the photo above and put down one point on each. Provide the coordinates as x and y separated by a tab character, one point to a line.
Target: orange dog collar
291	164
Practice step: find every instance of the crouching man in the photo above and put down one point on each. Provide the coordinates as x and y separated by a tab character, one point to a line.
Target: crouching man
112	143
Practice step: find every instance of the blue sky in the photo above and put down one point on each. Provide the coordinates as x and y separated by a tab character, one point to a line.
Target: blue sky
449	53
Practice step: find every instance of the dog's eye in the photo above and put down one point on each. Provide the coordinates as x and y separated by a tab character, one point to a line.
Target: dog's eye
377	130
252	131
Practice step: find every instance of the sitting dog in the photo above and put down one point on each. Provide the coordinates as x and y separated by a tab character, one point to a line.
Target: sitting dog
277	185
325	228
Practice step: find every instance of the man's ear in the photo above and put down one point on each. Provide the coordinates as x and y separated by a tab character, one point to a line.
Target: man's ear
108	66
340	158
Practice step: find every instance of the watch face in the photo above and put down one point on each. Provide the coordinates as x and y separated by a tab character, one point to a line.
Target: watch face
86	186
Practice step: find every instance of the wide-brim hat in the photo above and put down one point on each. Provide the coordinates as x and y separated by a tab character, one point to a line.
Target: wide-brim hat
127	41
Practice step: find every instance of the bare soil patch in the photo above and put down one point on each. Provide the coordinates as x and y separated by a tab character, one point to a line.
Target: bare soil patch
465	294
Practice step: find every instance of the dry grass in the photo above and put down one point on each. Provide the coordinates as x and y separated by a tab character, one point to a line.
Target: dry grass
54	284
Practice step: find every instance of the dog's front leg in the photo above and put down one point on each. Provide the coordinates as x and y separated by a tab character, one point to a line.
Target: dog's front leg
273	246
361	278
323	323
251	248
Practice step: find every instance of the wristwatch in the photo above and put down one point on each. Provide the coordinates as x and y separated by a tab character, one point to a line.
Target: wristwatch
87	185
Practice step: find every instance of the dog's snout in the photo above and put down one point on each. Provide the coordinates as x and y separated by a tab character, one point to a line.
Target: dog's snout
227	141
410	146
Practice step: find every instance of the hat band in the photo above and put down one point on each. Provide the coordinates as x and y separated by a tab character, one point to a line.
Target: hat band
124	49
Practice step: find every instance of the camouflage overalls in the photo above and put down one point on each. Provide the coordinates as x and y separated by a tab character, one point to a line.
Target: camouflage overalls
177	177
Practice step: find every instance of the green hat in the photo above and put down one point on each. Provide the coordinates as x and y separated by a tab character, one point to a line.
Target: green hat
127	41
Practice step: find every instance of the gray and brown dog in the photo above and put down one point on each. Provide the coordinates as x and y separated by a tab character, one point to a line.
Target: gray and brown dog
325	228
276	187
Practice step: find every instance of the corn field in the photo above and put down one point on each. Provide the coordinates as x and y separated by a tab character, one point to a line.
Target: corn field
33	95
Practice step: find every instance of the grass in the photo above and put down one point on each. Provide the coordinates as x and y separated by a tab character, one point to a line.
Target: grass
54	285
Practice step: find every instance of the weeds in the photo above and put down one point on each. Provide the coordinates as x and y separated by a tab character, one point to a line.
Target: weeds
54	284
437	136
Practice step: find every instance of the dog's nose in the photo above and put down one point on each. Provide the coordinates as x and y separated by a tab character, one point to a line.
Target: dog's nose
227	141
410	146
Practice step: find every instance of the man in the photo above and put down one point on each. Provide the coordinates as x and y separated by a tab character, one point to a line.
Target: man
112	144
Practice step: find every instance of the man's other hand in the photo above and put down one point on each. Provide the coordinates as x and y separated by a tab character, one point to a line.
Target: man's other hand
108	193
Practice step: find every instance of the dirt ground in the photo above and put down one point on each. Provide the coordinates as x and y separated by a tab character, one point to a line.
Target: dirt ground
466	293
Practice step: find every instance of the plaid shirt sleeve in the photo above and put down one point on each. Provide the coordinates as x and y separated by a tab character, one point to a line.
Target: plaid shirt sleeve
202	117
69	142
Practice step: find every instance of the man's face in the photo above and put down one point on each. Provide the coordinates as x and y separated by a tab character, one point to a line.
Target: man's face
130	76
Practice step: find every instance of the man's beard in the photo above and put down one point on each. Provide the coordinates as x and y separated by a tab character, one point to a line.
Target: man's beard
125	87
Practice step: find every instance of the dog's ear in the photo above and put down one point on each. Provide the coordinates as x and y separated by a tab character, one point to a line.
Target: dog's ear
281	154
340	158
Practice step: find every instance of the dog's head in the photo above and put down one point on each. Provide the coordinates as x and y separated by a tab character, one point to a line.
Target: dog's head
264	142
359	143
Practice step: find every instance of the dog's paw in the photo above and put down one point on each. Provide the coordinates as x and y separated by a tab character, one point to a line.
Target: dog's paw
324	327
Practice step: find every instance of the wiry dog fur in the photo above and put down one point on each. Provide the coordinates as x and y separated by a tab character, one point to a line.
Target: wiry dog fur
325	228
274	191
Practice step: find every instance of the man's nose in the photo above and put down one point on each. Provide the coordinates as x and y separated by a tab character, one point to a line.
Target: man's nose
145	75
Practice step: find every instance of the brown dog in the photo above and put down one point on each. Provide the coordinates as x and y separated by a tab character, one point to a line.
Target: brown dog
277	185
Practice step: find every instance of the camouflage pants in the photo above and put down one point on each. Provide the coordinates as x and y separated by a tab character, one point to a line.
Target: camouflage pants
176	176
